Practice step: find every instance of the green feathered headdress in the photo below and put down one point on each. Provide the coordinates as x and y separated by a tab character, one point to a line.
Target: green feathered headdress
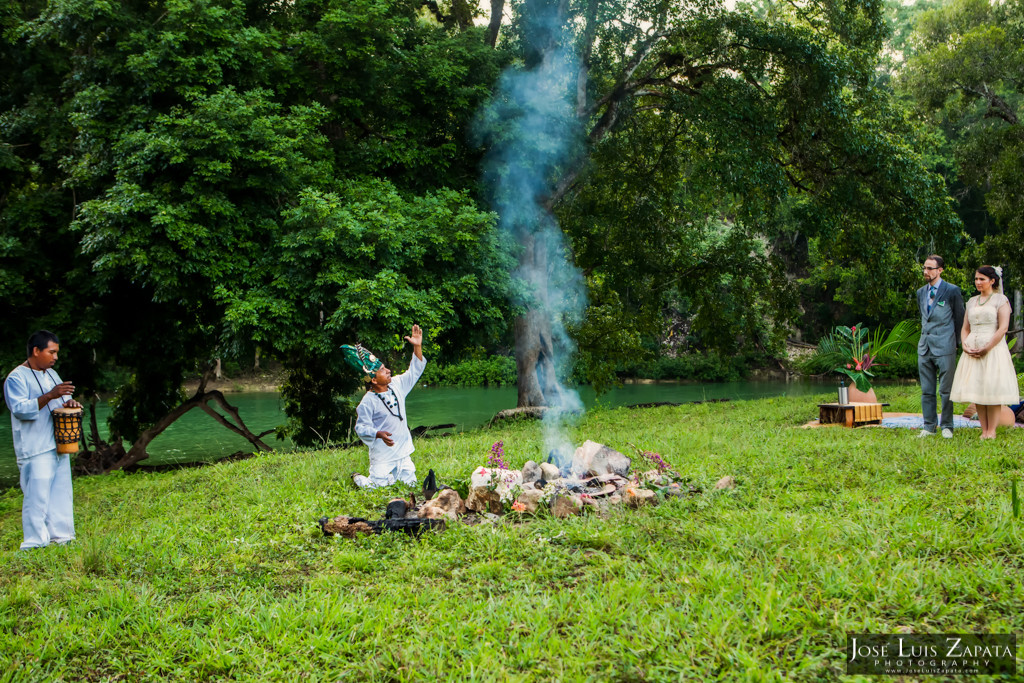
360	358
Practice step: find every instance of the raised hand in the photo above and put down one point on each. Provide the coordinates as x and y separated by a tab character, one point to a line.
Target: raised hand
415	337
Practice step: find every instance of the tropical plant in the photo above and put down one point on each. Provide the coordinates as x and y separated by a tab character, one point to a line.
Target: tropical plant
853	351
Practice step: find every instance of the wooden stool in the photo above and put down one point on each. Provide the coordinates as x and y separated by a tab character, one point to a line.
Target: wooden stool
850	414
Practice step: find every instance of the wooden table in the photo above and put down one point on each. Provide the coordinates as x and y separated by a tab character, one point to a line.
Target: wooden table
850	414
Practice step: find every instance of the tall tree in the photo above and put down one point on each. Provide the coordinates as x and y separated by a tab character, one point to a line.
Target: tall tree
967	79
155	153
764	106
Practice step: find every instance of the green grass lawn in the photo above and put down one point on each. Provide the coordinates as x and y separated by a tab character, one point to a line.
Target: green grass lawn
221	573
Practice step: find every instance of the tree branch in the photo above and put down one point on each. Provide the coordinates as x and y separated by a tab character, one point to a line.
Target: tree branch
620	90
998	108
241	429
138	452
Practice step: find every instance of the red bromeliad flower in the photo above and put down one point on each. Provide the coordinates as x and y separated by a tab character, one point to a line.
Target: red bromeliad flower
856	352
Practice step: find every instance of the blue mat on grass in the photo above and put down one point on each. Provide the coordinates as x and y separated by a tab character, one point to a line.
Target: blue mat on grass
917	422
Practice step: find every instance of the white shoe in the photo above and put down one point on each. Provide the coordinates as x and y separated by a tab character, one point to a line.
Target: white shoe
947	433
924	433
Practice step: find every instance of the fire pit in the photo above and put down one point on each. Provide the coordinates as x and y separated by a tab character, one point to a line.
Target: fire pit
596	477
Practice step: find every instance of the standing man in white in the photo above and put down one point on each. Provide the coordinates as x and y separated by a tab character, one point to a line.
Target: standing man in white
942	315
32	391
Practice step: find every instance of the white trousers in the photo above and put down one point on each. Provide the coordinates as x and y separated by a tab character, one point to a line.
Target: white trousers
387	473
47	510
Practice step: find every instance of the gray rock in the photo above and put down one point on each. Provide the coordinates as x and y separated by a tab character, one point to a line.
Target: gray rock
594	459
727	482
637	497
447	504
565	506
583	459
653	476
617	462
550	471
676	490
482	499
531	472
531	499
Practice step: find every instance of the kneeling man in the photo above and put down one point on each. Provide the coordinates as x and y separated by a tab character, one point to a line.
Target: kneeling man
382	422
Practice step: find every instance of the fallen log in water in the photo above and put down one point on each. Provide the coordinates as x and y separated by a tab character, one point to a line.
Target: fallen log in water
424	432
537	412
525	413
684	403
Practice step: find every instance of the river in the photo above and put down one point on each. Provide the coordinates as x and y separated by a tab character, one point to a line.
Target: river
197	437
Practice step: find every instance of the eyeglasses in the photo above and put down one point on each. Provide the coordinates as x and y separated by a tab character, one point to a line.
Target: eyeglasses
929	268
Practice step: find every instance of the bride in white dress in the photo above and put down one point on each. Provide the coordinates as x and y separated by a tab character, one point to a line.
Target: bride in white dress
985	374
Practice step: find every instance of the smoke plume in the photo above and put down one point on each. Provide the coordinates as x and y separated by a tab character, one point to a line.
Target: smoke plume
531	132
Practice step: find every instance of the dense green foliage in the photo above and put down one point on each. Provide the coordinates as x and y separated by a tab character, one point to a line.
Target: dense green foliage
756	164
221	572
493	371
187	180
966	79
712	366
358	265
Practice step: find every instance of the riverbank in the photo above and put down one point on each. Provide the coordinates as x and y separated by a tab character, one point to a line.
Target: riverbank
221	572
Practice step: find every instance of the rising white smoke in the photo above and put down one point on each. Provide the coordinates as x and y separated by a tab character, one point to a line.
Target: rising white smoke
531	131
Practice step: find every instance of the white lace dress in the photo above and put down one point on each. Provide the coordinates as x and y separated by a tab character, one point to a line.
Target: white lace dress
989	380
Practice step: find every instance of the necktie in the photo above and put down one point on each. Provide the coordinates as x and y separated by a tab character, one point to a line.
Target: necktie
931	298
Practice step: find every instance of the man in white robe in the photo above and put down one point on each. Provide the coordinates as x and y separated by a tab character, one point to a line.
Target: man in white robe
382	423
32	391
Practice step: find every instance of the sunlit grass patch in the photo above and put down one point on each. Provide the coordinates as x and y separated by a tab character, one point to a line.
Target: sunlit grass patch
222	573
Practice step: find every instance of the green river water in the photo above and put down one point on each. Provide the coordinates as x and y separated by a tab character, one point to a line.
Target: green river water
197	437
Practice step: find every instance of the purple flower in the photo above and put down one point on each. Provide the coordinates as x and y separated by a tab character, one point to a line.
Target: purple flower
497	457
657	460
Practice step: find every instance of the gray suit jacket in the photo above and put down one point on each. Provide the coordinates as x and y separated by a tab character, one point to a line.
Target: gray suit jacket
940	328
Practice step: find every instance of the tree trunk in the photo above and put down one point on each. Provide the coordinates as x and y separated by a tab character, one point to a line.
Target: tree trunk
529	350
97	453
535	353
497	8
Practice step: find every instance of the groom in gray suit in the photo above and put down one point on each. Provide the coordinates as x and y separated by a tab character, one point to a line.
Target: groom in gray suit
942	316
